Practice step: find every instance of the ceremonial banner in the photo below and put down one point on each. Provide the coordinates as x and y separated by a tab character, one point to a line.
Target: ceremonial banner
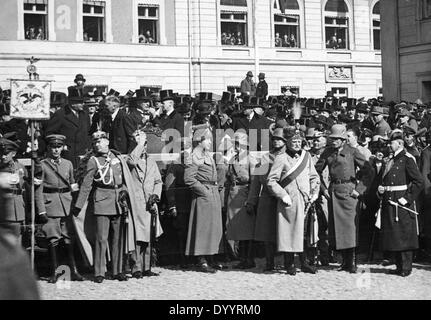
30	99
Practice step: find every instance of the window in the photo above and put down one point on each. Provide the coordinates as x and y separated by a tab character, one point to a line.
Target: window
290	90
36	19
93	20
339	92
376	26
148	24
286	23
233	20
426	8
380	92
336	25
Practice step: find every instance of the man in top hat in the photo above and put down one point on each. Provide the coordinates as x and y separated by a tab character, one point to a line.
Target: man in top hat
293	180
118	124
382	128
79	84
13	189
169	119
399	187
102	186
255	125
73	122
57	186
343	161
262	87
248	87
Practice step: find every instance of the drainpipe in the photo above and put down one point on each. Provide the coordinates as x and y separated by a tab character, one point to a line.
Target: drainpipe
256	47
189	26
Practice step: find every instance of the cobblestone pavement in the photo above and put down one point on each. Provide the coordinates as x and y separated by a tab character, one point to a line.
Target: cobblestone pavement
370	282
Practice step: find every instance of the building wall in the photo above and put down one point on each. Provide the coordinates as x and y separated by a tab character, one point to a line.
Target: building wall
407	50
122	63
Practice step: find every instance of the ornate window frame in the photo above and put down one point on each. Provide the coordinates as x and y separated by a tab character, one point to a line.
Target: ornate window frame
372	18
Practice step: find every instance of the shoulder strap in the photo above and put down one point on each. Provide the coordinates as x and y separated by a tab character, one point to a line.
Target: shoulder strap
296	170
56	173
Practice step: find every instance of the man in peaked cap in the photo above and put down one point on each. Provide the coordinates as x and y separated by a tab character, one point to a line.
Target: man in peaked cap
399	186
262	87
57	186
342	161
248	87
409	142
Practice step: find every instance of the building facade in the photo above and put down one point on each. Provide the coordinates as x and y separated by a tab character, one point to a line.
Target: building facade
305	46
407	49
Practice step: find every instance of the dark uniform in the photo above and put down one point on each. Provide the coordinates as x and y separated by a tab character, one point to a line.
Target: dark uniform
399	227
104	181
343	213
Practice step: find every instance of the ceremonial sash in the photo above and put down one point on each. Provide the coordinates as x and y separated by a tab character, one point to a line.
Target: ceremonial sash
296	170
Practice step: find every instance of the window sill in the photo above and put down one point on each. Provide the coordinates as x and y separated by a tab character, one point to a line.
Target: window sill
235	48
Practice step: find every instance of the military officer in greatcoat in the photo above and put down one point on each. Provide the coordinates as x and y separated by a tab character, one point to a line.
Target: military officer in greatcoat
400	185
342	194
241	218
293	180
264	202
205	231
147	176
102	184
57	185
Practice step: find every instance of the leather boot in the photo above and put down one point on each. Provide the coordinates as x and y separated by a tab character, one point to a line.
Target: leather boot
249	255
343	266
74	274
54	262
289	259
305	267
242	254
269	256
351	260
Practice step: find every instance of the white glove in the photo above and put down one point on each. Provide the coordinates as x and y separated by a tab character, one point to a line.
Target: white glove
402	201
313	198
381	189
37	181
287	200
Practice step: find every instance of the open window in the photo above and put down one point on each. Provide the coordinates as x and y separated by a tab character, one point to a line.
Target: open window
148	23
36	19
286	23
336	24
234	22
376	26
93	13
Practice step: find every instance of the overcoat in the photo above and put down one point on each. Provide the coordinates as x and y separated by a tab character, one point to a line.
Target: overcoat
205	224
343	207
265	226
239	223
75	129
145	174
290	220
400	235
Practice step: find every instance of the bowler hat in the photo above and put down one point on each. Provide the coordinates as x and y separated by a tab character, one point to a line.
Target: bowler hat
249	74
166	95
261	75
377	110
79	77
338	131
